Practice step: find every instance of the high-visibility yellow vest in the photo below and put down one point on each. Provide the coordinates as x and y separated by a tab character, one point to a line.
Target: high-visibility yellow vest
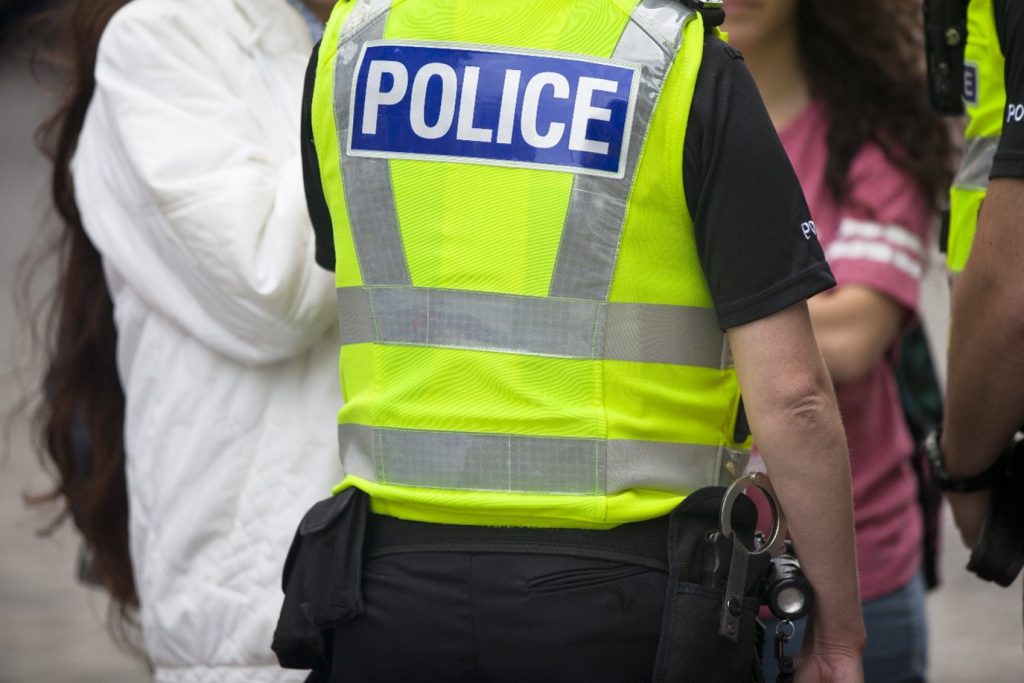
984	101
528	338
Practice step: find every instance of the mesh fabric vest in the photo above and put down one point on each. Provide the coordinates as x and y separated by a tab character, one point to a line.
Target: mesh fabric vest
522	345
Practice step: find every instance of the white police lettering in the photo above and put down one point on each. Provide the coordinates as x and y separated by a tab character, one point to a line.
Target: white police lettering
509	99
531	107
482	105
467	108
446	112
1014	113
584	112
376	98
809	230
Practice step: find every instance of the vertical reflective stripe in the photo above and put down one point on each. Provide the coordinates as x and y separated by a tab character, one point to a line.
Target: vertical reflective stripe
976	164
362	14
368	193
531	464
597	208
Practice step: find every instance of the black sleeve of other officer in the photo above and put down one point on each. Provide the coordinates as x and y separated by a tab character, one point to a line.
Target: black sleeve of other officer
316	204
748	209
1009	159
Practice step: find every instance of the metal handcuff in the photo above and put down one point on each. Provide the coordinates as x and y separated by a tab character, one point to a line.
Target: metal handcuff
787	592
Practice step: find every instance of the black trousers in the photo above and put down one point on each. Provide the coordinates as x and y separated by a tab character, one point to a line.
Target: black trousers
373	598
467	616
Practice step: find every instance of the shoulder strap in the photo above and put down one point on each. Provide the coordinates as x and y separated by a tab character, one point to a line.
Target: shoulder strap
712	11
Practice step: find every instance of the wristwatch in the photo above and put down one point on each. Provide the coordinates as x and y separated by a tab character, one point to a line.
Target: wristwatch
937	461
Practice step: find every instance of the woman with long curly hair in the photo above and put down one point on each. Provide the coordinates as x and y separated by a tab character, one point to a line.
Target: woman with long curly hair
187	411
844	87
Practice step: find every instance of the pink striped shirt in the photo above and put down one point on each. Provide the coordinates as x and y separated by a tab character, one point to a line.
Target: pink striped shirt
876	238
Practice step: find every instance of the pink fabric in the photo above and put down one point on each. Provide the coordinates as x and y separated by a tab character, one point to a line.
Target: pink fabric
876	238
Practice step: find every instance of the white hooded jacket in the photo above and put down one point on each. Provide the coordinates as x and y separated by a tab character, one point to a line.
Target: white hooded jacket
188	179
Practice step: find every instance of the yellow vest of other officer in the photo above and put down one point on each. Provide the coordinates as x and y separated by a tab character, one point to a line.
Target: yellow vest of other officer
985	102
527	335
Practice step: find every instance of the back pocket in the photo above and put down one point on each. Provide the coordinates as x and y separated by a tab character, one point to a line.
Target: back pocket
580	578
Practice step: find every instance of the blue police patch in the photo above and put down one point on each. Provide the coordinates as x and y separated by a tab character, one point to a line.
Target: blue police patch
970	83
481	105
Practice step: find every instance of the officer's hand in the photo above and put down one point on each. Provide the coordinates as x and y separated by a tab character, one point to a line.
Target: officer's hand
821	663
830	660
969	513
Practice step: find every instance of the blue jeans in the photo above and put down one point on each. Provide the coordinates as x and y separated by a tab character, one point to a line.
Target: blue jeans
897	649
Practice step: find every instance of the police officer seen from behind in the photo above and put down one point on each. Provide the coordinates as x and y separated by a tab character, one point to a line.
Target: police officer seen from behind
985	389
564	235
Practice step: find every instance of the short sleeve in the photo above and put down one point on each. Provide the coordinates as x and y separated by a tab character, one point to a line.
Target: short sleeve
1009	159
882	232
757	242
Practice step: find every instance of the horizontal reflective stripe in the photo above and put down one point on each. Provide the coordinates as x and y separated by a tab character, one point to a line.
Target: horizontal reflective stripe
571	328
530	464
976	163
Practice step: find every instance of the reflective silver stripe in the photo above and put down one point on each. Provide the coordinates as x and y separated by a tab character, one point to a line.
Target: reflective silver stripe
650	333
597	206
677	335
530	464
365	12
368	193
976	164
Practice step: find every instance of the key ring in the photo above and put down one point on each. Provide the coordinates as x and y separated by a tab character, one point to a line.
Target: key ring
781	627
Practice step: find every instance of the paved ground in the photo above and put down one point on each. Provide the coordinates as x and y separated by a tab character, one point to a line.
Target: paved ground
52	630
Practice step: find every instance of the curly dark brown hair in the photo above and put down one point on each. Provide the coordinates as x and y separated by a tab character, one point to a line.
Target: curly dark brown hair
865	61
83	403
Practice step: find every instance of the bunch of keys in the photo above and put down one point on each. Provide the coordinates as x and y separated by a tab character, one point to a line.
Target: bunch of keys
783	634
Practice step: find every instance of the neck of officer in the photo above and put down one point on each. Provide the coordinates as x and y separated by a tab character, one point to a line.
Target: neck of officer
780	78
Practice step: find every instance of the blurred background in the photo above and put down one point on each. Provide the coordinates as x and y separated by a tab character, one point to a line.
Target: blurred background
53	629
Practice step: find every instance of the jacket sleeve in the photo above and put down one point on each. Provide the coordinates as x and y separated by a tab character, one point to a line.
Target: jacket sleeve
220	169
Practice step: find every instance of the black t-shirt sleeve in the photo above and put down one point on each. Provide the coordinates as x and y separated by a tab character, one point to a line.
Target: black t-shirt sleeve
316	204
754	233
1009	159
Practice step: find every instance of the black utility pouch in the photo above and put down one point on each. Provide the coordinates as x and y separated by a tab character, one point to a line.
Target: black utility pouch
691	647
322	581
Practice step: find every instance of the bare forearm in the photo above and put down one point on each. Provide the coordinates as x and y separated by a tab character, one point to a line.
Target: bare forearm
985	394
805	450
985	389
796	423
